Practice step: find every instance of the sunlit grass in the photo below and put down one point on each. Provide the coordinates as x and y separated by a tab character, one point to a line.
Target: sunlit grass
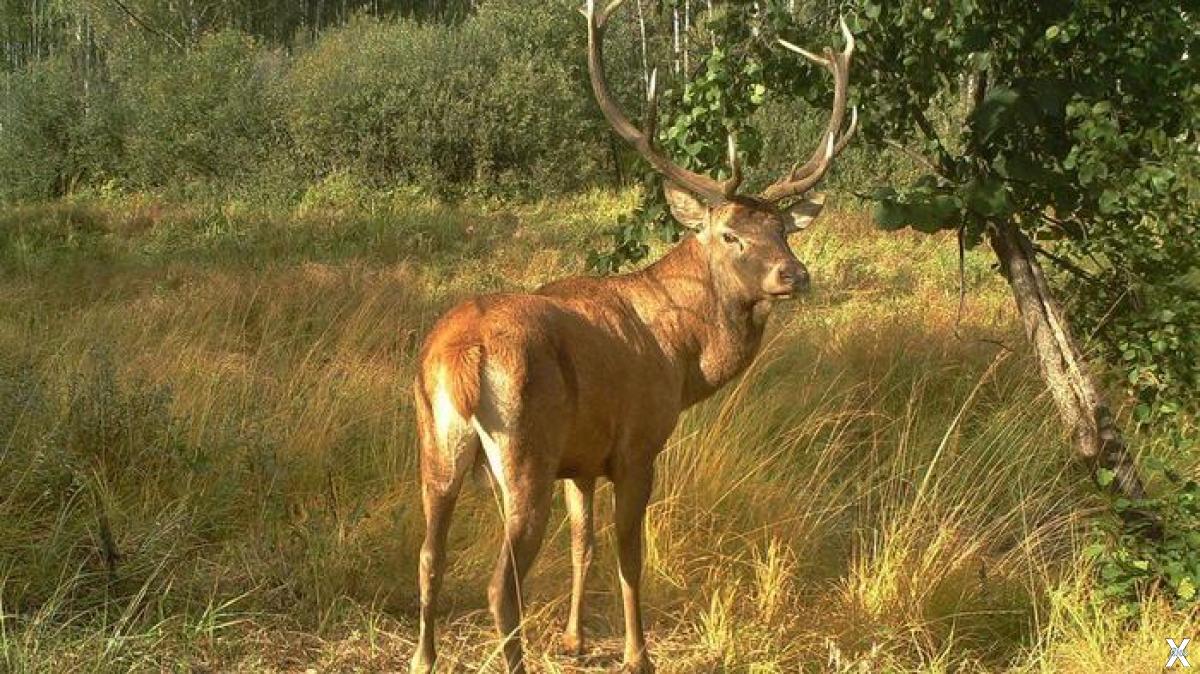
207	457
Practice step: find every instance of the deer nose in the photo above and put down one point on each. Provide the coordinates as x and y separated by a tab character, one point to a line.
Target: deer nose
791	277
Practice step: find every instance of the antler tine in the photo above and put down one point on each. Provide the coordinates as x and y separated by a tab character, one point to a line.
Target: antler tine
730	187
850	131
803	178
589	10
651	117
851	43
819	60
709	189
790	188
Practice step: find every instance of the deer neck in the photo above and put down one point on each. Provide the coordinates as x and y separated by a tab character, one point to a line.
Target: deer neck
706	333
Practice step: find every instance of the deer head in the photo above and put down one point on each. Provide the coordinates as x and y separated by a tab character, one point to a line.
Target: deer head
744	236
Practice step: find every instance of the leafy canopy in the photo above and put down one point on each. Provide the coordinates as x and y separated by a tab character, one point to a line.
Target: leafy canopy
1077	121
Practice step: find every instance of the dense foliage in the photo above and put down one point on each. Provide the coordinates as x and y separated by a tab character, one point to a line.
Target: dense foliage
221	96
34	29
1078	121
495	103
55	134
203	115
1134	561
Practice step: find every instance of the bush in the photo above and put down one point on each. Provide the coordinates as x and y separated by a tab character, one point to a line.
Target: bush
56	131
202	116
1151	546
497	103
1143	305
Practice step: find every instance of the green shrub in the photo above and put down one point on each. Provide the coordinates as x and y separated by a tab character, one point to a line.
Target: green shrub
1152	545
203	115
56	131
496	104
1140	305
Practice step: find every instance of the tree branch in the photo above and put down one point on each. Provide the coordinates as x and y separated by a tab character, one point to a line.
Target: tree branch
923	123
1065	264
916	156
147	26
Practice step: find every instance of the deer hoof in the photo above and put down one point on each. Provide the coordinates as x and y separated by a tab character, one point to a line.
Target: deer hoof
421	664
643	666
572	644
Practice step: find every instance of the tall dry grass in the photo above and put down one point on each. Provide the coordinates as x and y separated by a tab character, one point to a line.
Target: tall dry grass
207	458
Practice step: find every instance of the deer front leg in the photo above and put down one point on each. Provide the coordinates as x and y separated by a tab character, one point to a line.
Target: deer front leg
632	493
578	494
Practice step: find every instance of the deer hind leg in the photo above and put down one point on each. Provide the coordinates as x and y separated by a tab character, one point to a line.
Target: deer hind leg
632	493
448	450
578	494
526	494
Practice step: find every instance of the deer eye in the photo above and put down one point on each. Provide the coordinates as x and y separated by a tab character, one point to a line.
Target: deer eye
730	238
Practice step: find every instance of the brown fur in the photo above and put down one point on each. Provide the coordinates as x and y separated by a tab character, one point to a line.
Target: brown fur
586	378
462	360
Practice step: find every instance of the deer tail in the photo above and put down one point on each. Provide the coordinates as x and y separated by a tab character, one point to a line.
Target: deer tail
463	372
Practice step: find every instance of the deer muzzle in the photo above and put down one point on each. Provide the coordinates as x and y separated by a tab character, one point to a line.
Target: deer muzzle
787	279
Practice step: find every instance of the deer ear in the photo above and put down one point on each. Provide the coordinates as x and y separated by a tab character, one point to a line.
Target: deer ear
687	209
803	212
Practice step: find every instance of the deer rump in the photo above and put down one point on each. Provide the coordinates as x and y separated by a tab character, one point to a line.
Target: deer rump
570	379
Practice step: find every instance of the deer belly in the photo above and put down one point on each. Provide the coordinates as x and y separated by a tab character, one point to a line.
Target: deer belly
585	454
594	450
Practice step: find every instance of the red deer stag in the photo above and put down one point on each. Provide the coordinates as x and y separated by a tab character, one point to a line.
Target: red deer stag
586	377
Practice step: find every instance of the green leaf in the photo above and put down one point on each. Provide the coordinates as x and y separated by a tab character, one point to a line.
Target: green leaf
988	197
992	114
1104	477
924	209
1186	590
1109	201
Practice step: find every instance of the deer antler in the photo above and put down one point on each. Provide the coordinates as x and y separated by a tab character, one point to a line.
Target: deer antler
712	191
804	177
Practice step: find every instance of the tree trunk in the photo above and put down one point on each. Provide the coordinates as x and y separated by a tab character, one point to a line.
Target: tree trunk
1080	405
645	48
675	39
687	30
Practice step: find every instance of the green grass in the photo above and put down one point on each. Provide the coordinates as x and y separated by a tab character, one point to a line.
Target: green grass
207	456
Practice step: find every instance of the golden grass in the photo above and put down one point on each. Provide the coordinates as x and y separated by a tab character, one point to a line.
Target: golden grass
220	397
